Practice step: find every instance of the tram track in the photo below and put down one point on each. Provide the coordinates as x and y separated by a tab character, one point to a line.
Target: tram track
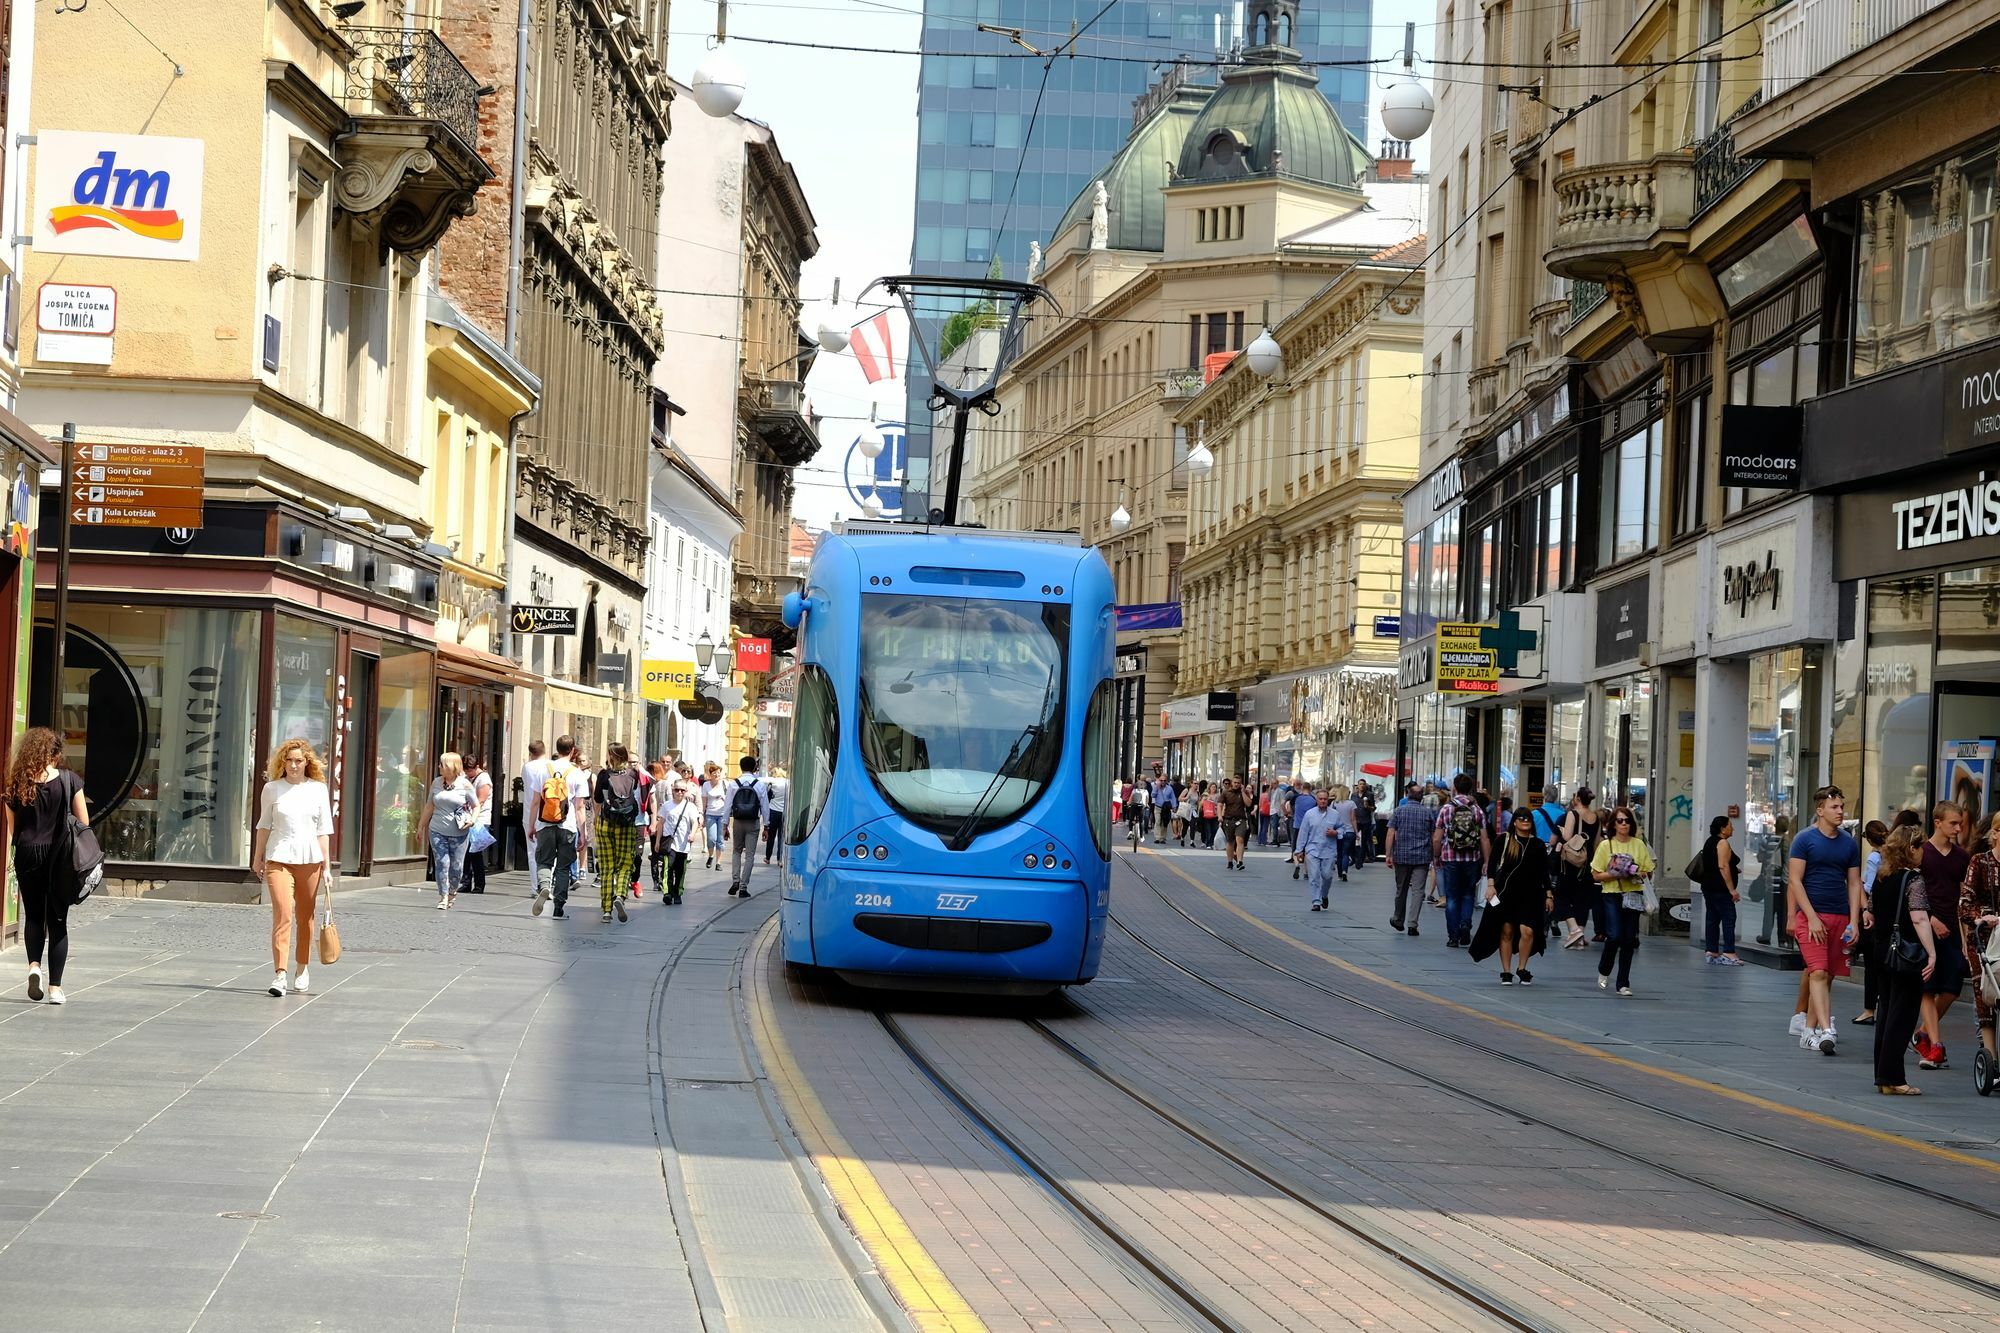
1158	1271
1455	1088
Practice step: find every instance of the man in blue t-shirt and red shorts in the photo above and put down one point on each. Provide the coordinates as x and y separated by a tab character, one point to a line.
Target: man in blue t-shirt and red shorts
1823	877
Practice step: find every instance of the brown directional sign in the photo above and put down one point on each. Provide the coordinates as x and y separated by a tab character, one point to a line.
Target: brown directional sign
127	485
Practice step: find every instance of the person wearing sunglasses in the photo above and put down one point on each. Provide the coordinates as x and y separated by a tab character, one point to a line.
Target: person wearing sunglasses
1621	866
1823	893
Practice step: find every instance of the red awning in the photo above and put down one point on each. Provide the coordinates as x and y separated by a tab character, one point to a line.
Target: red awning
1379	768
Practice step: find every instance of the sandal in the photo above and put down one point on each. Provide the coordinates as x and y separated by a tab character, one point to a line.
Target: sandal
1904	1090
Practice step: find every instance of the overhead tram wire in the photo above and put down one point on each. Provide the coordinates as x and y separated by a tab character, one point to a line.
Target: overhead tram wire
1028	137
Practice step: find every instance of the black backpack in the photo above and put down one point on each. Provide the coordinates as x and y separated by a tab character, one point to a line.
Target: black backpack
621	801
744	804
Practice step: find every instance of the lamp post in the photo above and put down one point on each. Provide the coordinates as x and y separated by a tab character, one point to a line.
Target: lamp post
704	650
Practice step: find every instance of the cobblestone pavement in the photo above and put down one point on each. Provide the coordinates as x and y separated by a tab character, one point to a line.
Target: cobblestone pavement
1537	1174
460	1127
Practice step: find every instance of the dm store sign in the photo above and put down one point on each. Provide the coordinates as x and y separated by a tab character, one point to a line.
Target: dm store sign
124	196
879	481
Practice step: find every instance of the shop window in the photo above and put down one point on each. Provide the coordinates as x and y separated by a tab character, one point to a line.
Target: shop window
1969	621
402	751
158	710
1558	532
1895	760
304	679
1691	432
1781	716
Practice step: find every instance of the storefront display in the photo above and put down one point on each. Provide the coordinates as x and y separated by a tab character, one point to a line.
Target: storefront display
403	763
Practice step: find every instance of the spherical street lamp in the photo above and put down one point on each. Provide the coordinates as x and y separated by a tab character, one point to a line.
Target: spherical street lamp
1121	519
1200	461
832	336
1265	356
717	85
1407	110
870	444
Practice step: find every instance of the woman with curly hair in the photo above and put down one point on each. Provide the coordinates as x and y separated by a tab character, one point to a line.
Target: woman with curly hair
41	797
291	853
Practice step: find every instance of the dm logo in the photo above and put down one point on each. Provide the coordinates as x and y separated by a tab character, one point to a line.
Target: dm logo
133	196
882	477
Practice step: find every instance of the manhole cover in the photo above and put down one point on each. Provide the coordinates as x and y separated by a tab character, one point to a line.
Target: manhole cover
249	1217
420	1044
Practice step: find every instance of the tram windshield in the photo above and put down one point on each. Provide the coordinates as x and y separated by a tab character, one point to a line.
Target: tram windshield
960	706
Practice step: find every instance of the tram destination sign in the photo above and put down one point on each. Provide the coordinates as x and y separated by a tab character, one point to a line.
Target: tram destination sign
136	485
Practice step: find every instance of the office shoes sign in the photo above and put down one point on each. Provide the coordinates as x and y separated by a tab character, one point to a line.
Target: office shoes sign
123	196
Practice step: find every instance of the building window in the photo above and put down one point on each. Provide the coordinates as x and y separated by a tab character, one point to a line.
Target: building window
1980	287
1224	223
1628	491
1915	279
1691	435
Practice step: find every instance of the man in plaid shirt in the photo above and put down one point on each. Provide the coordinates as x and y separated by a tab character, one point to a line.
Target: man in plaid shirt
1410	827
1463	848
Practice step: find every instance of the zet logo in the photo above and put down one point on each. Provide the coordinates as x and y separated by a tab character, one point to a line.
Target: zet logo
880	479
132	196
956	902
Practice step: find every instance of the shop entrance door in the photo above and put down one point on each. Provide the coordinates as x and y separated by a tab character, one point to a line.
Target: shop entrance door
357	761
1966	742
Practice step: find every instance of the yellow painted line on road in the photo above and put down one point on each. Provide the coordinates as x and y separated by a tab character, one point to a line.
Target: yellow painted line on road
1581	1048
905	1265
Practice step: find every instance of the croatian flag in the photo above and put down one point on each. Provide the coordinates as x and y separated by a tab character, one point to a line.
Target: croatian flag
874	348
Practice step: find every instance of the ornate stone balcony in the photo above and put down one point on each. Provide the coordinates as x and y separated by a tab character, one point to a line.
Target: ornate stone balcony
1611	216
780	415
1485	387
409	160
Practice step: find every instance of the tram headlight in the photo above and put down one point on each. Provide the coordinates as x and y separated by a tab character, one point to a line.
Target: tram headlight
1048	863
1029	861
881	851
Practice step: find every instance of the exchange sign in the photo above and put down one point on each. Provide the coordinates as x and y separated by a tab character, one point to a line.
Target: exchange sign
1465	665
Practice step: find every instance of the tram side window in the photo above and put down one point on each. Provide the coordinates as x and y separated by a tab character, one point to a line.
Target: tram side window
1097	765
815	748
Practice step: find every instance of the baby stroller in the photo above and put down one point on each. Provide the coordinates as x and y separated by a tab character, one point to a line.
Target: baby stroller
1985	1070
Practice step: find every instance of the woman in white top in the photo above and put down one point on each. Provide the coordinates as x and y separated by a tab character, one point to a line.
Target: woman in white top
290	852
673	829
715	812
482	817
448	817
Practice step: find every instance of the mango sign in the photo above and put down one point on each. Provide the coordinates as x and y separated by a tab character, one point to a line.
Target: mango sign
661	680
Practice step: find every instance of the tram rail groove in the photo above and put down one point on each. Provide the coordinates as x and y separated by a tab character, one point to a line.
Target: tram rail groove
1156	1274
1979	1286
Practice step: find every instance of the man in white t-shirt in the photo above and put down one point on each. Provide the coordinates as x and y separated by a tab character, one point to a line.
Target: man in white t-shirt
554	840
749	808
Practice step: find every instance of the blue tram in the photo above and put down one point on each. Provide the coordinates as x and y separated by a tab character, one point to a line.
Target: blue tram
948	826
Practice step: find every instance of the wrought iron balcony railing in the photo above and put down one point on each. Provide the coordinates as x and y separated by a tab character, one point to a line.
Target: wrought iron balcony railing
1717	166
1584	297
411	72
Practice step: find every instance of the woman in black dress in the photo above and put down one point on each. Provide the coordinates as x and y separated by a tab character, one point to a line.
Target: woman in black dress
1517	890
42	795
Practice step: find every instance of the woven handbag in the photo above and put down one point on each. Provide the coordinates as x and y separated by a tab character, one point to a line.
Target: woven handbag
329	934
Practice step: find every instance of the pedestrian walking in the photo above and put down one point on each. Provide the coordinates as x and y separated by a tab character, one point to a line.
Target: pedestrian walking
1139	810
1164	801
1303	803
776	790
1365	843
1978	912
1868	945
1316	849
1823	892
1409	853
1719	865
642	825
1517	901
1234	809
1944	865
749	806
1463	849
482	819
1211	813
617	798
1621	865
1347	829
1902	890
448	814
715	814
673	832
1119	786
557	801
1577	898
1264	815
42	797
291	852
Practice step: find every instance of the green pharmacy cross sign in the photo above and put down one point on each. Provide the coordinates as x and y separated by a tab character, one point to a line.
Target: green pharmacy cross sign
1508	640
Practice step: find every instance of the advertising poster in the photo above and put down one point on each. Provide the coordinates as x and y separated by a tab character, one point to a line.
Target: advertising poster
1968	775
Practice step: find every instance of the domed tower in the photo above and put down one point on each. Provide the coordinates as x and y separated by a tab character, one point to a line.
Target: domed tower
1270	118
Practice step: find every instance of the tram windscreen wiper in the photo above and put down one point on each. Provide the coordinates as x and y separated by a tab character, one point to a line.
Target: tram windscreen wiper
962	836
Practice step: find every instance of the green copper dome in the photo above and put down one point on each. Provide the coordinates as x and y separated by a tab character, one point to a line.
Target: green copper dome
1270	118
1136	210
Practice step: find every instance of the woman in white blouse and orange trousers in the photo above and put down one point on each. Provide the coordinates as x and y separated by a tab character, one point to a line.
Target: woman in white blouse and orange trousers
294	829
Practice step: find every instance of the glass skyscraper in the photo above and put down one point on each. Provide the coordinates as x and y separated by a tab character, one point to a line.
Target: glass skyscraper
977	125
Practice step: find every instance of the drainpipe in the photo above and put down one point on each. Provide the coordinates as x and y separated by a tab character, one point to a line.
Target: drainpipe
516	220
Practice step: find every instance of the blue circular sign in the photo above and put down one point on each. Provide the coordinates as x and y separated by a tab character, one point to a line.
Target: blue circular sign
882	477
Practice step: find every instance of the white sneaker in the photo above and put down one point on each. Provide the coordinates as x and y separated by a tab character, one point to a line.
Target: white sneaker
1798	1027
1603	982
56	996
301	983
1824	1042
1809	1039
541	900
278	985
442	902
1625	990
35	991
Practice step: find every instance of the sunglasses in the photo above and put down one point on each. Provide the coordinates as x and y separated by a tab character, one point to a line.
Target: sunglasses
1829	794
1622	819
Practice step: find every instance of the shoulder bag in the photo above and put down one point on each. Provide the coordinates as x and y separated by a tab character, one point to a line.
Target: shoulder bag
329	934
86	855
1906	957
1697	868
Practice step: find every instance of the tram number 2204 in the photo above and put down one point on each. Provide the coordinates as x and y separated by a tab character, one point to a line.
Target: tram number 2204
871	900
